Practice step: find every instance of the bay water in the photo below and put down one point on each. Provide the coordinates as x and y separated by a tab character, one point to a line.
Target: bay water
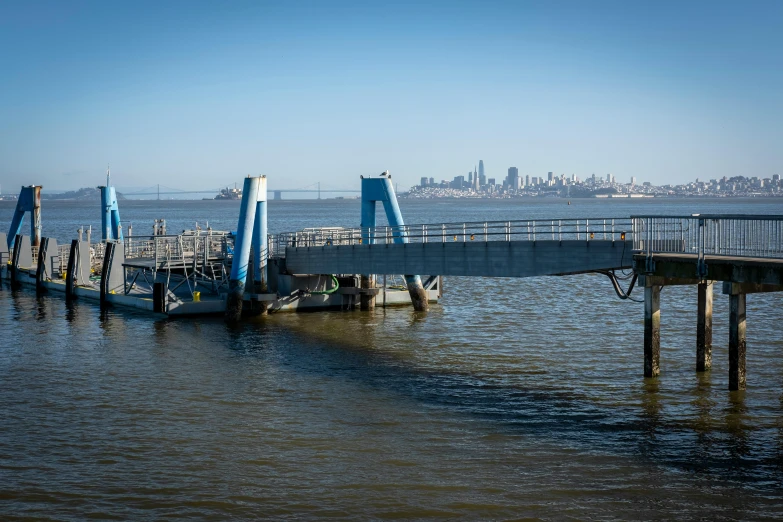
511	398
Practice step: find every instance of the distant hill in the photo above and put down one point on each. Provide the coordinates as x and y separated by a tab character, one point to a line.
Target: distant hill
83	194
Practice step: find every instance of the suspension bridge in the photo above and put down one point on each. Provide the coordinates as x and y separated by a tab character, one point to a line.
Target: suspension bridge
162	190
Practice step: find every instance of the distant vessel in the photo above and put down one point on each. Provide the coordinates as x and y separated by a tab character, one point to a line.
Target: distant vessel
230	194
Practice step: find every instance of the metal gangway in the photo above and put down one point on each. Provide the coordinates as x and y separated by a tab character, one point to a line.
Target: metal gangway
588	229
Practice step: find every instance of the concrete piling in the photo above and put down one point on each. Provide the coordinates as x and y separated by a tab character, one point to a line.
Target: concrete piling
417	292
704	327
652	330
737	345
367	300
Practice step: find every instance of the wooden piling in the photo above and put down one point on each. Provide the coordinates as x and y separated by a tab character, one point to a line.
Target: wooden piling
704	327
367	300
652	333
737	346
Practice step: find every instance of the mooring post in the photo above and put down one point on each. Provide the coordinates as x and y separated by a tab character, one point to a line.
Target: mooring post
159	297
253	190
14	266
652	330
737	341
40	269
29	200
70	271
704	327
35	214
381	189
4	253
108	255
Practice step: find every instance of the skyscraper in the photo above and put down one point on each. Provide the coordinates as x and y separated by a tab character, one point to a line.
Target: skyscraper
481	170
527	180
512	178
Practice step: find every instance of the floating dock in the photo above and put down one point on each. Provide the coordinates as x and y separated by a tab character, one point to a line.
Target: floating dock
198	272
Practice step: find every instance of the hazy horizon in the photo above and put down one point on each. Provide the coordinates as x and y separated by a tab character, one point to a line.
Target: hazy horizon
195	95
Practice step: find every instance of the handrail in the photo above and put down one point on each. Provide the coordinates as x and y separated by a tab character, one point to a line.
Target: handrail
518	230
729	235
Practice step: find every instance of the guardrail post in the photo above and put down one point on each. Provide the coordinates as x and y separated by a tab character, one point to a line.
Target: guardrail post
701	265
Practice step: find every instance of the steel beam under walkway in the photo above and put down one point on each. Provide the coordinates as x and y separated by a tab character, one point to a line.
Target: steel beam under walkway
478	259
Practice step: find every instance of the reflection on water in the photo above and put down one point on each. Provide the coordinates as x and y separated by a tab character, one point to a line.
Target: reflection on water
511	398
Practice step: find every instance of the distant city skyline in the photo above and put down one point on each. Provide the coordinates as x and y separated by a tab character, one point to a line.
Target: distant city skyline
199	95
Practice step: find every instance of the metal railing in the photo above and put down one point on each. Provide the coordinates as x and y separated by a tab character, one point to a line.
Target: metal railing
613	229
710	234
179	248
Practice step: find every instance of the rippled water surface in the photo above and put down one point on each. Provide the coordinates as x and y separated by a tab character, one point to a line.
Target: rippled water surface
511	398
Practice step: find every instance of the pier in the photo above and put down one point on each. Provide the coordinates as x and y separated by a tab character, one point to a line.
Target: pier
249	272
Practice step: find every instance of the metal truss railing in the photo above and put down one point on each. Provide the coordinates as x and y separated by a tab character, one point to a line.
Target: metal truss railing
702	235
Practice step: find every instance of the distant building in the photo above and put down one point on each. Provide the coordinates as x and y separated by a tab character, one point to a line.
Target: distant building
458	183
633	180
491	181
425	182
432	181
512	180
608	178
550	176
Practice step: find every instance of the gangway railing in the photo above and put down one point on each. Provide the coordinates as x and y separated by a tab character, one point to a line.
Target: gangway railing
702	235
614	229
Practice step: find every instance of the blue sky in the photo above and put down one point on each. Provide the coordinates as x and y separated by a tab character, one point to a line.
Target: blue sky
200	94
